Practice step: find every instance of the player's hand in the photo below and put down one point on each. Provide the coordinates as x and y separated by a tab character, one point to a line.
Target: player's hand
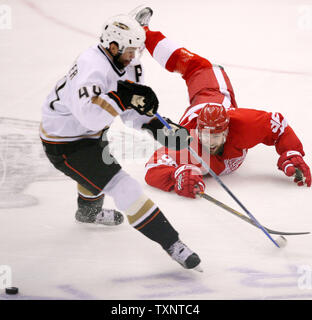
139	97
293	165
188	181
177	138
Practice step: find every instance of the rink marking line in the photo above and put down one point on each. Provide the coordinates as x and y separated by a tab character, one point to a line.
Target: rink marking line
61	23
77	293
298	73
53	19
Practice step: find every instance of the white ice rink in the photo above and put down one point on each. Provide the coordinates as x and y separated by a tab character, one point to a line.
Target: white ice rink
266	49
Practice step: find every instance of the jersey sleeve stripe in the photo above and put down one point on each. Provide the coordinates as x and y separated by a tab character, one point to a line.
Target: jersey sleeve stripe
114	97
104	105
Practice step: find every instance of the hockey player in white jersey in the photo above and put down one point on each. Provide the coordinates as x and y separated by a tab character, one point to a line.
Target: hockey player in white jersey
103	83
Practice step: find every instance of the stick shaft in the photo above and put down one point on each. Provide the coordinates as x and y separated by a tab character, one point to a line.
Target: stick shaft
204	164
211	172
163	121
243	217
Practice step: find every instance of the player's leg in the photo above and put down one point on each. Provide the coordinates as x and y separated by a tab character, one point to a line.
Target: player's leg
145	216
91	165
82	161
90	209
173	56
203	79
166	52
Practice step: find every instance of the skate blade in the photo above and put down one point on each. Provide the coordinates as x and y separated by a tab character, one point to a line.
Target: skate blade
198	269
137	9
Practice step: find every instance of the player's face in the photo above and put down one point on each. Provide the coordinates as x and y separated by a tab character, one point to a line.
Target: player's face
212	141
128	56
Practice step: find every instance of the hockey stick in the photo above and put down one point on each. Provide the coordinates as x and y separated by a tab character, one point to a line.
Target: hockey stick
240	215
211	172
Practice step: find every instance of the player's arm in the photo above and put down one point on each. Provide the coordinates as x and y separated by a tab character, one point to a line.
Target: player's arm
290	149
95	112
95	106
144	101
89	99
273	129
160	169
164	171
131	117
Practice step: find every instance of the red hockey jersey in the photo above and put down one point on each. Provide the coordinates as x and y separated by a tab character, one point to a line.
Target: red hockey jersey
247	128
208	83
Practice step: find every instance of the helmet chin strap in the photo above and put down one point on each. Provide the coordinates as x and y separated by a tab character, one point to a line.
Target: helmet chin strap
117	63
225	135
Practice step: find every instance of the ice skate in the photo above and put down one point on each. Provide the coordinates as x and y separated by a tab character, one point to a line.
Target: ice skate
109	217
142	15
92	212
184	256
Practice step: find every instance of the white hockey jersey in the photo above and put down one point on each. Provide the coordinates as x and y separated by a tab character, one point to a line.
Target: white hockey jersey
79	107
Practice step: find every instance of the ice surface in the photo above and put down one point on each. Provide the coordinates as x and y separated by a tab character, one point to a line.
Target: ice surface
266	49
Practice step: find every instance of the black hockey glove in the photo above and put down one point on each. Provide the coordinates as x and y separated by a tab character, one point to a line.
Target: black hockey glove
136	96
177	139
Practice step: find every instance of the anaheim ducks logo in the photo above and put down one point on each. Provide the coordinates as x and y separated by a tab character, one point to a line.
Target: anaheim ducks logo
121	25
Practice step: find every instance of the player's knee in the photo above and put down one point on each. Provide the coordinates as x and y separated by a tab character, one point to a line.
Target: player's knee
124	189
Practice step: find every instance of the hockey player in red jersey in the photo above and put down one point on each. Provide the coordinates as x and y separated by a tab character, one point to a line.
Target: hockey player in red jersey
222	133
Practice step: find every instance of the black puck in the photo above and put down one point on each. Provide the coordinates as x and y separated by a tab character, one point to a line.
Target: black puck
11	290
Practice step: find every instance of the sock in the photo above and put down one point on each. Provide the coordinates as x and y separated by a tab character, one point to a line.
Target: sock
147	218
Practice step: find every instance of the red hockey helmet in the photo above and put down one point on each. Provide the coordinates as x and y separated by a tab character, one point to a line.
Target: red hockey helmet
214	117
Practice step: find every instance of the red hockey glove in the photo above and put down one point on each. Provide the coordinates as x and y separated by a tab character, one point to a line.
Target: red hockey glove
293	165
189	181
